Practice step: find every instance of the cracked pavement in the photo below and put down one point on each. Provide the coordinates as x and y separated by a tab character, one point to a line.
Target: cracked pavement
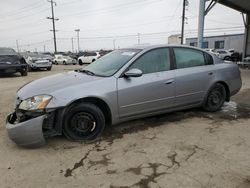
189	148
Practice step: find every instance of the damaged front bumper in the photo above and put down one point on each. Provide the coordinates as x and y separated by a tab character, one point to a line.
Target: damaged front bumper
31	129
28	133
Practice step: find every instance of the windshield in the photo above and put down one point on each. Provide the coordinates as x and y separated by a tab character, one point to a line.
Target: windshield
112	62
7	51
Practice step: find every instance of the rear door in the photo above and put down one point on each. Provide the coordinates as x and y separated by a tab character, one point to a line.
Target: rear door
194	75
151	92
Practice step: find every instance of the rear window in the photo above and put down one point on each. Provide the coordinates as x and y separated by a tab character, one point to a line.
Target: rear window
186	57
7	51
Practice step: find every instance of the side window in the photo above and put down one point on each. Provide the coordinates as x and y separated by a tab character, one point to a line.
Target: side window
209	59
186	57
153	61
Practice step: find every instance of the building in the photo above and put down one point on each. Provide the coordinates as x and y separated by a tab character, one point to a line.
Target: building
233	41
174	39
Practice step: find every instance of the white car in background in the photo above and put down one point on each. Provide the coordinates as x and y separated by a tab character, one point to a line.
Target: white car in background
88	57
224	54
65	60
212	51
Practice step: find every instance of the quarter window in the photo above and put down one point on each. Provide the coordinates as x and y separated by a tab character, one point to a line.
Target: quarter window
153	61
186	57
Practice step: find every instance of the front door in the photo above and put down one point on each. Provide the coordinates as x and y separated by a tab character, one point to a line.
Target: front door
151	92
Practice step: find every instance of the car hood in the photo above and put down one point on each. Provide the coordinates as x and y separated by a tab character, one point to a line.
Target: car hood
50	84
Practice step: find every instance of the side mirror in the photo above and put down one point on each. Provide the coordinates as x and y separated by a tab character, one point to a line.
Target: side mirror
133	73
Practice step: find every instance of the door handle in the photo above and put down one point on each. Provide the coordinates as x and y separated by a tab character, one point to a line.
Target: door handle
210	73
169	81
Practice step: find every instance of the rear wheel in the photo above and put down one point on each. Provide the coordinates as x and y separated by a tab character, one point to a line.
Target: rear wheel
49	68
227	58
216	98
80	62
83	122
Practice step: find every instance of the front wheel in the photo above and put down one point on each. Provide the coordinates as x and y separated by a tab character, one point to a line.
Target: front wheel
83	122
215	98
24	72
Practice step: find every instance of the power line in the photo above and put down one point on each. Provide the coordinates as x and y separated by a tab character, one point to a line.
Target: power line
118	27
22	17
156	33
111	9
30	6
34	25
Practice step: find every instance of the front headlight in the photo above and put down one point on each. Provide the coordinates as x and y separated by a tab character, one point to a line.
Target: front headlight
38	102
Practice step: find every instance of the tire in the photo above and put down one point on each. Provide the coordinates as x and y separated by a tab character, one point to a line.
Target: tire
30	69
49	68
227	58
24	73
80	62
83	122
215	98
56	63
64	62
93	60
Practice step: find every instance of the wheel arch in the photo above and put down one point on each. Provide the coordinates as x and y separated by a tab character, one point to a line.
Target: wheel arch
104	107
226	88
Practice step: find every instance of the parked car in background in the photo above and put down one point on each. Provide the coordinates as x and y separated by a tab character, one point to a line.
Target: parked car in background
48	56
65	60
224	54
125	84
12	62
38	61
212	51
88	57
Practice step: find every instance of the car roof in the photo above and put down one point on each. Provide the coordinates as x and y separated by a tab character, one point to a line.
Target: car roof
148	47
6	48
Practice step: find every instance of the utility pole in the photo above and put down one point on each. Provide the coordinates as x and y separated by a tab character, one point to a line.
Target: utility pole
44	48
78	43
17	46
72	43
53	22
201	22
114	43
185	3
138	36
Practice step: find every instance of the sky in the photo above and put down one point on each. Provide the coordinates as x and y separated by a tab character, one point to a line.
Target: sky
106	24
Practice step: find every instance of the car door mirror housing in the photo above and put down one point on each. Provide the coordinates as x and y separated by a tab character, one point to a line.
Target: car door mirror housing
133	73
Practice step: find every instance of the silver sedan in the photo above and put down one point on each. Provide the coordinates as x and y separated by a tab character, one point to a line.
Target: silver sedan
122	85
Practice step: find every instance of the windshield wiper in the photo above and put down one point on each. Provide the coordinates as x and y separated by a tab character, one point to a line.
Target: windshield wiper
86	71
